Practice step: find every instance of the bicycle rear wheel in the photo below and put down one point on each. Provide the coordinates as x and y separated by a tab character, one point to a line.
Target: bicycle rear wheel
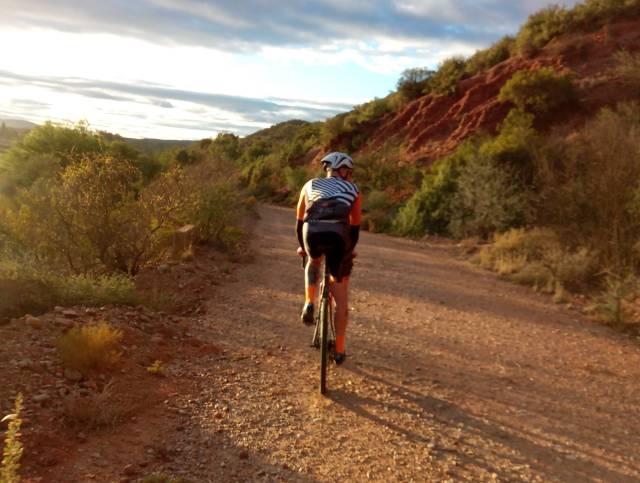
324	343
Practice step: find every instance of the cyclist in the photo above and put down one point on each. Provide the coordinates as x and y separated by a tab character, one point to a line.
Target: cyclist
328	223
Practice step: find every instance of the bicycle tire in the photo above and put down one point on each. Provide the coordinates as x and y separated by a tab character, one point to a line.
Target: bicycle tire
324	344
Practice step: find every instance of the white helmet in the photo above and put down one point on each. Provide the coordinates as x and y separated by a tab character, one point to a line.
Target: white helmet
337	160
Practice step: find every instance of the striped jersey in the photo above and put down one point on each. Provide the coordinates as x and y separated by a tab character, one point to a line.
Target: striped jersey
330	199
330	188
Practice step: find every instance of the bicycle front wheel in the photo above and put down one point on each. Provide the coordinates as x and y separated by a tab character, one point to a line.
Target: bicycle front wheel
324	344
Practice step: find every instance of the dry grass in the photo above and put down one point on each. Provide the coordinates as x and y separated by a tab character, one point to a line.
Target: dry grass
157	369
97	410
90	347
537	258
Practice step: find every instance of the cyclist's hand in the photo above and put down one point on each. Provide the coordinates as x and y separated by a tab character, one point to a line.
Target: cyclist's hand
301	252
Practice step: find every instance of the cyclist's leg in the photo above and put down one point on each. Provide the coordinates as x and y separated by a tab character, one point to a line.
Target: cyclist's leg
311	279
311	273
340	291
340	268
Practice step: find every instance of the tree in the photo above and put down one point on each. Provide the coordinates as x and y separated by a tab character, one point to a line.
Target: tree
413	81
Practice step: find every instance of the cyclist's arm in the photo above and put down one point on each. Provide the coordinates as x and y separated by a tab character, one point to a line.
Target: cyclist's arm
300	218
354	220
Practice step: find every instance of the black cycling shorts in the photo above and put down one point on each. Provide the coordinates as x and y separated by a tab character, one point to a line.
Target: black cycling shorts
332	246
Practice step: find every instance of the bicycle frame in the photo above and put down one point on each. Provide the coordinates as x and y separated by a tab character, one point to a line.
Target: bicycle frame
324	334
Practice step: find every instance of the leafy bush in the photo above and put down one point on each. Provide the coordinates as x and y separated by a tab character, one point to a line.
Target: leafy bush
296	177
553	21
488	198
28	286
612	304
538	91
428	210
515	147
45	150
487	58
225	146
412	82
446	78
97	217
589	187
628	66
541	27
89	347
377	211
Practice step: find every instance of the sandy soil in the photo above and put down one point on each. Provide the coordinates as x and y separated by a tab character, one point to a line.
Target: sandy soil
453	375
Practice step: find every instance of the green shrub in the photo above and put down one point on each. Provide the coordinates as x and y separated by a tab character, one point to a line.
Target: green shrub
428	210
589	187
446	78
541	27
225	146
87	220
487	58
295	178
538	91
28	286
515	147
628	66
488	198
89	347
44	150
613	303
412	82
377	211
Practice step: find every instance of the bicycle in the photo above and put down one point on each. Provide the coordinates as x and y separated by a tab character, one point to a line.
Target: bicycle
324	334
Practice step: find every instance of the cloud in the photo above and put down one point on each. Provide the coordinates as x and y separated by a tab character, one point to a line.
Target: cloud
28	104
249	25
260	112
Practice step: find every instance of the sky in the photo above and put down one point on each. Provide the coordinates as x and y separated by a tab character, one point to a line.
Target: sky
190	69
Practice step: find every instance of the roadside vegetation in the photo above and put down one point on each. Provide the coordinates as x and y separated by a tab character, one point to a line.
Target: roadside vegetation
81	215
81	212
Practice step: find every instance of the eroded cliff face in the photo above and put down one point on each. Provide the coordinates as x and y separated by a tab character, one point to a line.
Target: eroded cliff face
432	126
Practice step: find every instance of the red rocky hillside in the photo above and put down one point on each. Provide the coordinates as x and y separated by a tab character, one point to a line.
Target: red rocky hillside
432	126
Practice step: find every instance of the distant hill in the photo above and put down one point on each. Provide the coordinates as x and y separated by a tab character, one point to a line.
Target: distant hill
16	128
149	145
17	123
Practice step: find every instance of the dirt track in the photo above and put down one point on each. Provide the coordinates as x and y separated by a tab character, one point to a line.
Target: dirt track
453	374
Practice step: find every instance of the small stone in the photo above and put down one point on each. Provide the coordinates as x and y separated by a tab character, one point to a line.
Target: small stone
70	314
243	455
64	323
163	268
25	364
157	338
41	398
73	376
130	470
34	322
